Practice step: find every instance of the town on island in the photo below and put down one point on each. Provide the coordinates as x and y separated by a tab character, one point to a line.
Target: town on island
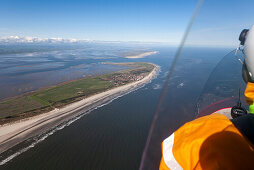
33	113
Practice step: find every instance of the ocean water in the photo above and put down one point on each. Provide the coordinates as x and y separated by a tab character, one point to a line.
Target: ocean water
114	136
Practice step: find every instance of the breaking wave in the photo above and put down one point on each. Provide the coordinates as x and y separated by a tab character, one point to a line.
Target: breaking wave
180	85
156	86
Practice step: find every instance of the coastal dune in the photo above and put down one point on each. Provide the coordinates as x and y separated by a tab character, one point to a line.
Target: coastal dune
13	133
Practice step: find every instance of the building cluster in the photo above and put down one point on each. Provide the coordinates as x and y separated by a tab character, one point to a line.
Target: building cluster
121	79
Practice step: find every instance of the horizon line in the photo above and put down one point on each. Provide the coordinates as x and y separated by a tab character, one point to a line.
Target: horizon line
14	39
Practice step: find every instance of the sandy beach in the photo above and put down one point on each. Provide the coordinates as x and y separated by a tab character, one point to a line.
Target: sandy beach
142	55
13	133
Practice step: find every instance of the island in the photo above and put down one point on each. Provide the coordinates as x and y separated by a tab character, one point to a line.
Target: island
142	55
31	114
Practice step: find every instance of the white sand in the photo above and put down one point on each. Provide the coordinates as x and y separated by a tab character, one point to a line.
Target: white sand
142	55
16	132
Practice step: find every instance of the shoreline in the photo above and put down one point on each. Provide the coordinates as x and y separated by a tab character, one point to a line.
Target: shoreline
14	133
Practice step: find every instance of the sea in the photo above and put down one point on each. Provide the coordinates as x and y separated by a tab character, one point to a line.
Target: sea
114	135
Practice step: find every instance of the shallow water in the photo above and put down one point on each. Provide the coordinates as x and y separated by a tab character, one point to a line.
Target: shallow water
21	73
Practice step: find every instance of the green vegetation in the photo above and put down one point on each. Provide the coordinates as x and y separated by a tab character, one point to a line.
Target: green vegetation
47	99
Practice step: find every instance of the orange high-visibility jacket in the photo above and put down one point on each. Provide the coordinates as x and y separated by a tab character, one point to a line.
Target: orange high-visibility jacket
249	93
209	142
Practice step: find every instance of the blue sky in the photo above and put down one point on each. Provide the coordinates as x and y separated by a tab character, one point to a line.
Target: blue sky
126	20
220	22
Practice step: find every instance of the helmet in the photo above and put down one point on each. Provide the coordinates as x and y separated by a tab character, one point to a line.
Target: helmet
247	39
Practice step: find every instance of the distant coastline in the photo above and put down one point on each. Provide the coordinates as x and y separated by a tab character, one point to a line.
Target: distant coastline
13	133
142	55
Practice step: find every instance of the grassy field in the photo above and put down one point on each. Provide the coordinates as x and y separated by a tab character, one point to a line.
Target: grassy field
54	97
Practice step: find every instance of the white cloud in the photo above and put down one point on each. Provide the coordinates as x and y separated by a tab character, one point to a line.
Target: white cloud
17	39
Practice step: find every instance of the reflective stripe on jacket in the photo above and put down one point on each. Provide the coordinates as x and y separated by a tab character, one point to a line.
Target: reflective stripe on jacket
209	142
